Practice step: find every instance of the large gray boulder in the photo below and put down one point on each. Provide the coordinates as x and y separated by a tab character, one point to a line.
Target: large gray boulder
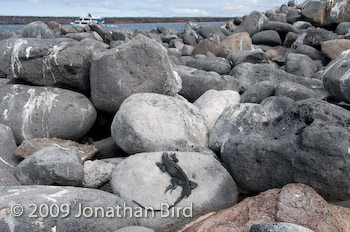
313	53
102	31
212	103
38	30
252	24
148	122
49	166
196	82
206	31
37	112
8	162
280	27
52	62
269	37
75	209
303	147
242	119
336	77
255	56
342	28
139	179
325	13
315	36
142	65
294	91
248	74
300	65
258	92
216	64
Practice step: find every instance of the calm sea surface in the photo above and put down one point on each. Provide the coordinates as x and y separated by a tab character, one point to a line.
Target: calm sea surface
127	26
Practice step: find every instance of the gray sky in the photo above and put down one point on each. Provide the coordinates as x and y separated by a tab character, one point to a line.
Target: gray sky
125	8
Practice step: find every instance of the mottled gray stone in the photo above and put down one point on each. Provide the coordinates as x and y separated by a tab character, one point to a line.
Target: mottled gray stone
142	65
38	30
50	166
71	201
37	112
154	122
8	162
216	189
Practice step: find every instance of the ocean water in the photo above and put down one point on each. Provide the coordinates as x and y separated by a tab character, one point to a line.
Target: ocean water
125	26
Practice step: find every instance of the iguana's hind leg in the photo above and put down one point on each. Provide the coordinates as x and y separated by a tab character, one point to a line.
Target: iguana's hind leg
174	183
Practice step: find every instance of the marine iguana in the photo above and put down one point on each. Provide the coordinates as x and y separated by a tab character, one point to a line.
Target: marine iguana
178	177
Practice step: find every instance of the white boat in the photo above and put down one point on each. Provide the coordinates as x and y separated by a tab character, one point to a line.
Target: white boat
88	19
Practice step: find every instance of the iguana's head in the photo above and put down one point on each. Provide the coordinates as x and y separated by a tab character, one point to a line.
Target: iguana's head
165	156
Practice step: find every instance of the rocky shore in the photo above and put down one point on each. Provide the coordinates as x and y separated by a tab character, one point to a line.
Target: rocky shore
245	127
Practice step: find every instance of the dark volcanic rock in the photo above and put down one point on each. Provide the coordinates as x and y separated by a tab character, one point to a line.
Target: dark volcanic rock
70	201
280	27
269	37
277	106
208	30
300	65
314	11
313	53
336	77
204	47
242	119
258	92
315	36
102	31
80	35
254	56
94	46
38	30
197	82
343	28
8	162
37	112
252	24
65	29
190	40
215	64
294	91
300	148
248	74
326	13
58	62
290	38
142	65
50	166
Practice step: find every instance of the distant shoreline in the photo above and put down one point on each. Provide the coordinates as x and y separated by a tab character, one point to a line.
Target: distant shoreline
67	20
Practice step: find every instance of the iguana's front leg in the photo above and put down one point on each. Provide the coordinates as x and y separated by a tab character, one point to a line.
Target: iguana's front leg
161	166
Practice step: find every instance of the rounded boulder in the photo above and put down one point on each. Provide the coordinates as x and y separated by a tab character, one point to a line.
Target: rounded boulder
149	122
37	112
